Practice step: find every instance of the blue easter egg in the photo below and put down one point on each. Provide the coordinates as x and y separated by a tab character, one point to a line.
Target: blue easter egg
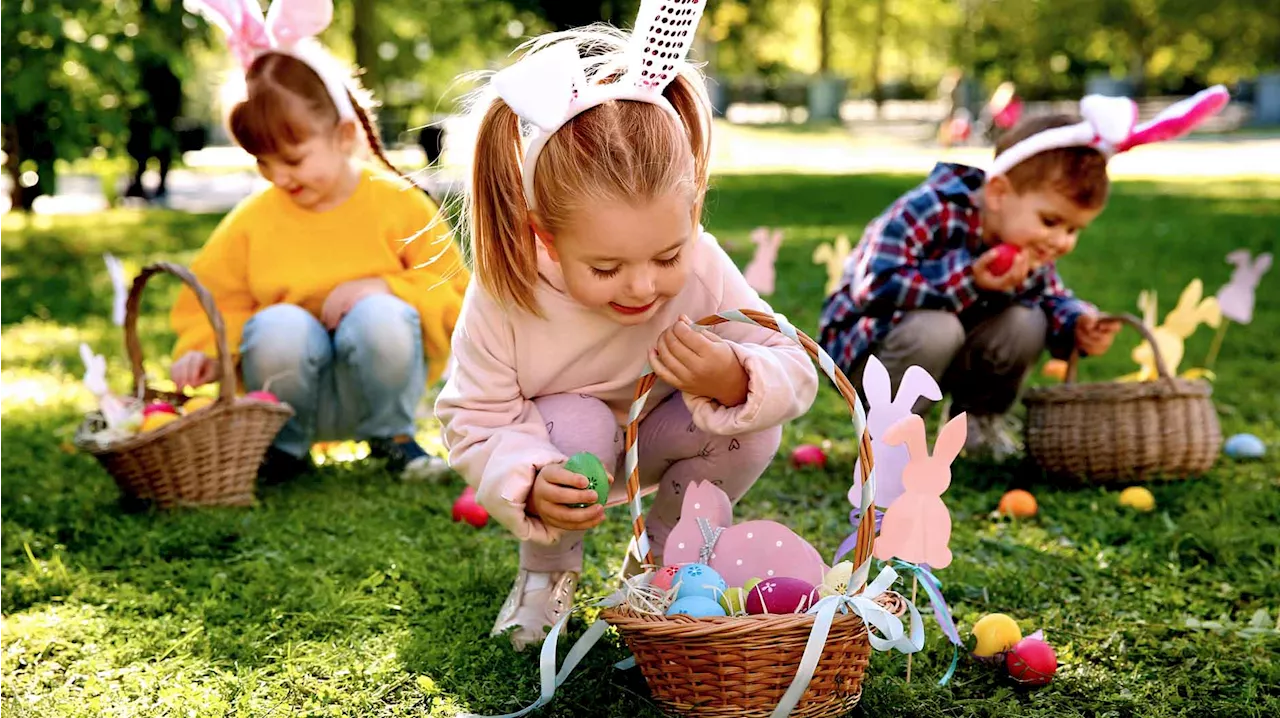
697	607
1245	446
699	579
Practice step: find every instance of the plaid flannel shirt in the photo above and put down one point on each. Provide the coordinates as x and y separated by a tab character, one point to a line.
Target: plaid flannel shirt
919	255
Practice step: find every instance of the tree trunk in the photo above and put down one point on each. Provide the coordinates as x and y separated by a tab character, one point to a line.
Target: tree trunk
877	51
364	36
824	36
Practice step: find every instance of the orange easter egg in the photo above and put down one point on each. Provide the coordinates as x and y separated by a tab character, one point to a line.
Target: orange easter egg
1018	504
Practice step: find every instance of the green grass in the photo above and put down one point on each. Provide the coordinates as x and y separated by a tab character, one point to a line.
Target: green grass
349	594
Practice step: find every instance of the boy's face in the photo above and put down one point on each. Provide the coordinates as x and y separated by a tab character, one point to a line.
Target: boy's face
1043	222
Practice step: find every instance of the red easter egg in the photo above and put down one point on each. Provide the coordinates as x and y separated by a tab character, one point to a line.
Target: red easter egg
1005	254
665	577
780	595
466	509
1031	662
807	455
159	407
262	395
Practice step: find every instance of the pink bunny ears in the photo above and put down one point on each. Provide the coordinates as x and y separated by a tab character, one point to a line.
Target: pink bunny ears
1110	125
549	86
290	27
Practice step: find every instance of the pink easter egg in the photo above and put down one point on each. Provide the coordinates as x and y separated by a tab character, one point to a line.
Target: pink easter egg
807	455
781	595
664	577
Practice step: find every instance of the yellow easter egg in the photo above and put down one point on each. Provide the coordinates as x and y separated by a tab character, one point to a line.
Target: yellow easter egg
1137	497
996	633
196	403
157	420
734	601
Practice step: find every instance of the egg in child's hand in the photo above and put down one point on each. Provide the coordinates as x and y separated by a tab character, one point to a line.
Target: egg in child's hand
699	579
1005	256
586	464
696	607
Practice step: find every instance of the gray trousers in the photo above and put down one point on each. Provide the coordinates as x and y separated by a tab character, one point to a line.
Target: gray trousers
980	357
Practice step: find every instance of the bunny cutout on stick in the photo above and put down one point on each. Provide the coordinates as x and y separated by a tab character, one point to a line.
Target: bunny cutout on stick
833	256
738	552
1181	322
760	273
1236	298
884	411
917	526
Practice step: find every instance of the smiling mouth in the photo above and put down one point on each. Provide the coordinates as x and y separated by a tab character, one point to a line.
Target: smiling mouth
624	309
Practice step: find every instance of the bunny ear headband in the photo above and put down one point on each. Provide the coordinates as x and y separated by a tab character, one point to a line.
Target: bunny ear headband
1110	125
549	87
290	27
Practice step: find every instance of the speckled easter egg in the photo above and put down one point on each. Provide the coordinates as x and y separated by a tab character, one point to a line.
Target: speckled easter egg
697	607
699	579
781	595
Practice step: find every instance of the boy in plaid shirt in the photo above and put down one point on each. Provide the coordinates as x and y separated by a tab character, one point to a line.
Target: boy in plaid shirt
920	287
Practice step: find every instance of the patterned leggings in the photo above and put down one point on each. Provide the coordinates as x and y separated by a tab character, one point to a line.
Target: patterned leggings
673	452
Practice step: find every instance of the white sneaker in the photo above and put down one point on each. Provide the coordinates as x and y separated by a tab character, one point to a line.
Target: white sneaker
538	600
992	436
431	469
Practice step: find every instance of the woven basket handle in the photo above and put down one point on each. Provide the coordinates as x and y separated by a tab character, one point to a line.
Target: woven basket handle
227	383
866	529
1073	362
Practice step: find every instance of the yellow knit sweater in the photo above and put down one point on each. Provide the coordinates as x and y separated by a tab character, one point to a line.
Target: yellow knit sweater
270	251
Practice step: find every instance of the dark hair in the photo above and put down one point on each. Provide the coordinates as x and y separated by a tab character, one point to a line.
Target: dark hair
1080	173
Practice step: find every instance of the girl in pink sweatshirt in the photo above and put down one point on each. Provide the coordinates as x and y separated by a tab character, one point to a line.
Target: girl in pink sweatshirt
590	262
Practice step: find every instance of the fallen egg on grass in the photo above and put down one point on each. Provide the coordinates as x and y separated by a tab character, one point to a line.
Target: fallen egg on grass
996	633
1031	662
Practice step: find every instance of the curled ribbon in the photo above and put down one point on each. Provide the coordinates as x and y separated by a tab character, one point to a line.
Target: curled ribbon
941	611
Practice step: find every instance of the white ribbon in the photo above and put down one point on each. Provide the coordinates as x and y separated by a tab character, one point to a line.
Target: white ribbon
873	615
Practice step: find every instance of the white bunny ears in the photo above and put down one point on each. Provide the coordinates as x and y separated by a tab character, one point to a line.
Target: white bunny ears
290	27
1110	125
549	87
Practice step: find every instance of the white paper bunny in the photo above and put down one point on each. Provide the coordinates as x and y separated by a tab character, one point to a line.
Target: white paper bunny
883	411
760	273
120	290
1237	296
115	412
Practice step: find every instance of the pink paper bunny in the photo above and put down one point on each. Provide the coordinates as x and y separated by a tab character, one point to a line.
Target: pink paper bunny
884	410
760	273
917	527
754	549
1236	296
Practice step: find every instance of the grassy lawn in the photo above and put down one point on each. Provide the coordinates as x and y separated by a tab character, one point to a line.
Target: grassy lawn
349	594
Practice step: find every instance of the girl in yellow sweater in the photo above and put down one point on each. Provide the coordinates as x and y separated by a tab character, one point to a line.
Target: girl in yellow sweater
339	285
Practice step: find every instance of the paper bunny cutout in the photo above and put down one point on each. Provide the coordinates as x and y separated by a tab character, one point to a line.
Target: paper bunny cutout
290	27
833	256
1236	297
917	526
760	273
754	549
119	288
883	412
114	411
1179	323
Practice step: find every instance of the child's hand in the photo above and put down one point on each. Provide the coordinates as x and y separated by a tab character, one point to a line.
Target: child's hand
555	489
194	369
1006	282
1094	335
344	297
699	363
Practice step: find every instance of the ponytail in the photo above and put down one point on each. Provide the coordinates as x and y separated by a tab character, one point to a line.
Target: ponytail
504	251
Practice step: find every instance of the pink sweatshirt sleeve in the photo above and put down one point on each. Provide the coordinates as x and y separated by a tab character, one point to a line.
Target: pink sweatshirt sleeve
781	379
496	438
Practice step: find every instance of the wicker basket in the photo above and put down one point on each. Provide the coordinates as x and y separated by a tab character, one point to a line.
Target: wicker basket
740	667
207	458
1120	431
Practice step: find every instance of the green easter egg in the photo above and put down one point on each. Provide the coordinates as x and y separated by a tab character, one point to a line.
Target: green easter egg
734	601
750	584
586	464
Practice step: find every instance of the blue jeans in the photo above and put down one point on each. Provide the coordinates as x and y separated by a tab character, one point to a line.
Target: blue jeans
363	381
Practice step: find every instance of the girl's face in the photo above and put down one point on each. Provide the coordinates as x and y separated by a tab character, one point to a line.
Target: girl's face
317	173
625	261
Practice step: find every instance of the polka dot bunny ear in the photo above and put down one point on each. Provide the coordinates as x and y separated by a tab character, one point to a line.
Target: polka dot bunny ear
549	86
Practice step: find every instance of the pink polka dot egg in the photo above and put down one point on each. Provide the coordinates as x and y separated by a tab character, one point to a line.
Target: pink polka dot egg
781	595
699	579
